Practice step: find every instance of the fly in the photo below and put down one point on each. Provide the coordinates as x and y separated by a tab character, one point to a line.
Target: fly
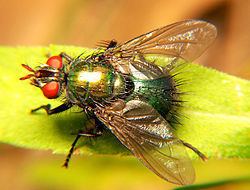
134	98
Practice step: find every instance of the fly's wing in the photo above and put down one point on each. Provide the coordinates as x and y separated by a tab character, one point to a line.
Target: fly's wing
149	137
186	39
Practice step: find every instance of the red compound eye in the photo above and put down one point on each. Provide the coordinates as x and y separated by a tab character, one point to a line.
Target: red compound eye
51	90
55	62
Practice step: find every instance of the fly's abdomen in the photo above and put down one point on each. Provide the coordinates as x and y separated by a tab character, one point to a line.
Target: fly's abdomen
159	93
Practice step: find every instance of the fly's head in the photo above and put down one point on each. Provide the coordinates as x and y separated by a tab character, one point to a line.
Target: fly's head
50	77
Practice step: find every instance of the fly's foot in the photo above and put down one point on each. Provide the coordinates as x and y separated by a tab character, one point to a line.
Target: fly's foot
45	107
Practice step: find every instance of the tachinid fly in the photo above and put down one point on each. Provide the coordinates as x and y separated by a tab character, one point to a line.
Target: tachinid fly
133	97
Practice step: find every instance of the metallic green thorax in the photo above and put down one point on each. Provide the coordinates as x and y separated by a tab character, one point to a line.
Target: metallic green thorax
96	79
100	81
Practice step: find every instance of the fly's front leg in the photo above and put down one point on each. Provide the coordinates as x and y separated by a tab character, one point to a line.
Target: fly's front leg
55	110
66	56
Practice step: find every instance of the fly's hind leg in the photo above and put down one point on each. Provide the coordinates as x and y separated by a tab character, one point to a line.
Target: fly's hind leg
199	153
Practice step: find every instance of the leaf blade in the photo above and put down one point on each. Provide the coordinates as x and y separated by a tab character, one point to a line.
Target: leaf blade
217	110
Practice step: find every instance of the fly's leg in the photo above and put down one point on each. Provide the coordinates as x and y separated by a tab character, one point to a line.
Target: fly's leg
80	134
95	131
66	56
112	44
63	55
50	111
66	163
200	154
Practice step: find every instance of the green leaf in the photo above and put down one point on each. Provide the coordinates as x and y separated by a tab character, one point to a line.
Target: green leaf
215	184
216	111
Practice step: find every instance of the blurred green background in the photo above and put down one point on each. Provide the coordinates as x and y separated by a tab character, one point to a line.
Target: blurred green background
85	22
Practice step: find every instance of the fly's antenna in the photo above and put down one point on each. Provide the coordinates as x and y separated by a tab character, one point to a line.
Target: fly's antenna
29	75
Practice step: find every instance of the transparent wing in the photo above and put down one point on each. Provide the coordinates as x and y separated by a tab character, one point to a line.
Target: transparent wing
149	137
186	39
